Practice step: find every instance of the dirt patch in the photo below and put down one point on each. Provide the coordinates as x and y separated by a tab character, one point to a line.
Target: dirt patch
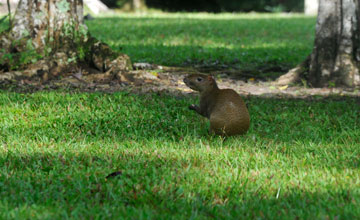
151	78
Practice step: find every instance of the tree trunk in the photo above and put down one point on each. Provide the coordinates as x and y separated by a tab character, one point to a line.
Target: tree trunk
335	58
137	5
44	22
50	37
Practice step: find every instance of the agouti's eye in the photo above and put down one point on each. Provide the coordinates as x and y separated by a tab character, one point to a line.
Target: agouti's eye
199	79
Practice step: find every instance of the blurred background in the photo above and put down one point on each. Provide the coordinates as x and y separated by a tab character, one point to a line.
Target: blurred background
215	6
211	5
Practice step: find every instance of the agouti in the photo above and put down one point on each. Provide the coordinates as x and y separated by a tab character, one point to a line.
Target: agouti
224	108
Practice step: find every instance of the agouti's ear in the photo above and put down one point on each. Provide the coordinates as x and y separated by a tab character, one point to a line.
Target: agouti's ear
211	78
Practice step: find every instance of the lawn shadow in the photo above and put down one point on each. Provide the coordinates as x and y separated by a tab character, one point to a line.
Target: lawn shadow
244	43
153	185
242	68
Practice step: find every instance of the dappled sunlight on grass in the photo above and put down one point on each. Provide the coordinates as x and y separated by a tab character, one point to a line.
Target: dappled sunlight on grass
299	159
161	38
125	116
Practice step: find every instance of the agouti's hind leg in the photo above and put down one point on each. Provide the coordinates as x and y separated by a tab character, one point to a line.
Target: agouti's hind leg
215	129
211	131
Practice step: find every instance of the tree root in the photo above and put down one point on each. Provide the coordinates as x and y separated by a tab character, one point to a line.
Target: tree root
294	75
100	61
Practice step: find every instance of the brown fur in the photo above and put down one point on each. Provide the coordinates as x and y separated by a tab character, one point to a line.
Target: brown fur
225	108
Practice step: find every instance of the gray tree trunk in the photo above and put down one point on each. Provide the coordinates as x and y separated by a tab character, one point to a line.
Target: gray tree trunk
336	54
50	37
335	59
44	19
137	5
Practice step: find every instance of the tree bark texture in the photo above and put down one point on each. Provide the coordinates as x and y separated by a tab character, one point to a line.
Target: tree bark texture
335	59
137	5
54	33
43	21
336	53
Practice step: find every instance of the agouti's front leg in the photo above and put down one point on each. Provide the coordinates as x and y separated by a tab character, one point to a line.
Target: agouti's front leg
197	109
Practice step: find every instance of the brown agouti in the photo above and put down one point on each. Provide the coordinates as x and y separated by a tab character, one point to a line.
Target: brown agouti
224	108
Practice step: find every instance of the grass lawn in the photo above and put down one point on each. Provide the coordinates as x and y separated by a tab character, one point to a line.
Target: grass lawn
300	158
245	41
242	41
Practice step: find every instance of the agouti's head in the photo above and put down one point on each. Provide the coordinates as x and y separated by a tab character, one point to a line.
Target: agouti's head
200	82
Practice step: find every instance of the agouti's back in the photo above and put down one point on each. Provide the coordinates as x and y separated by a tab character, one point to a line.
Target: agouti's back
229	115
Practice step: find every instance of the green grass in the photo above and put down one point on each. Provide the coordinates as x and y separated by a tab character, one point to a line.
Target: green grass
242	41
245	41
300	159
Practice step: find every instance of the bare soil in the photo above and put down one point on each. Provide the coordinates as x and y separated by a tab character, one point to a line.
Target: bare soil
153	78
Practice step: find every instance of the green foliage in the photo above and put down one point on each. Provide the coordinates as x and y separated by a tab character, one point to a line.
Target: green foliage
20	59
300	159
26	57
63	6
82	35
245	41
4	18
78	35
